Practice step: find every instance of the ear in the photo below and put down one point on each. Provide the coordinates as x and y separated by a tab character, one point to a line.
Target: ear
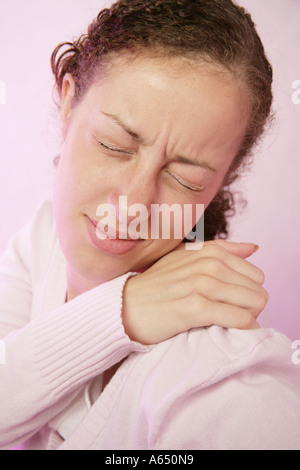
67	98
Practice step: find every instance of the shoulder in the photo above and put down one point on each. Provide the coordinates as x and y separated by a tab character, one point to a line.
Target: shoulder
42	221
215	353
38	228
218	388
32	246
42	240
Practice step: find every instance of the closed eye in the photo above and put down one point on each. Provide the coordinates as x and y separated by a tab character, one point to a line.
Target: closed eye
115	149
185	184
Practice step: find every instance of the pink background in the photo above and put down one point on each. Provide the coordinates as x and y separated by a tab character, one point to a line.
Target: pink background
30	138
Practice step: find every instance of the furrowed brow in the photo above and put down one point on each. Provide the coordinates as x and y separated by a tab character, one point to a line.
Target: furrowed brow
124	126
139	139
200	163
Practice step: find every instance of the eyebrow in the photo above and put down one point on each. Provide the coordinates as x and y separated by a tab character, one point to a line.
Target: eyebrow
127	129
201	163
139	139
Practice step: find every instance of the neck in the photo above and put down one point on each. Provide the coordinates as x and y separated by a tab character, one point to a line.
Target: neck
78	284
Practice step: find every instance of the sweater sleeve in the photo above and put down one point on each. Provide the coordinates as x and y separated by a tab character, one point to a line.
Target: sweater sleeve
244	397
235	414
50	358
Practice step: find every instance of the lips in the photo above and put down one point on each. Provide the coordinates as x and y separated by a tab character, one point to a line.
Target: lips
109	241
111	232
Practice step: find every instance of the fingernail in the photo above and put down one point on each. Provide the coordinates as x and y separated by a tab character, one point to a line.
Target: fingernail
253	244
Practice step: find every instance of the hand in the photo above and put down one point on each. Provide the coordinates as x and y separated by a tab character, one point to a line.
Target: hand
189	289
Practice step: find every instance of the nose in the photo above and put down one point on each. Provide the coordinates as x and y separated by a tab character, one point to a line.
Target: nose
126	201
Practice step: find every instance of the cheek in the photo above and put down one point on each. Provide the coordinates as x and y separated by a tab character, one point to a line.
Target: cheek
75	171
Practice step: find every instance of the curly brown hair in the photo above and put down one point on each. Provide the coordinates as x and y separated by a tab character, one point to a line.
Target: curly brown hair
216	31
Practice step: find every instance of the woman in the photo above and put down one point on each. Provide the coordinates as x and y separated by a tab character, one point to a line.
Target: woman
161	103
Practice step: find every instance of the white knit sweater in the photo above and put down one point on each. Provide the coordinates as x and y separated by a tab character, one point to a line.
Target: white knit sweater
208	388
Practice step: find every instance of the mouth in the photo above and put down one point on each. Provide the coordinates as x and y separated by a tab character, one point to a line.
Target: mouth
112	233
108	239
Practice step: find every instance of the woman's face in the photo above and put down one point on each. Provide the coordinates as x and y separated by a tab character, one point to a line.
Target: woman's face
156	131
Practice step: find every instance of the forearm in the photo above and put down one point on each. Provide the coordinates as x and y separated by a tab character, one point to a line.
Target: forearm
49	359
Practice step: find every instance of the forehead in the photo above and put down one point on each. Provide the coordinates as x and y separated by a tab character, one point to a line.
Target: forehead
154	94
154	62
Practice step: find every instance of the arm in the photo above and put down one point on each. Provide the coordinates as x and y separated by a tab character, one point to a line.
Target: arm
215	285
233	416
50	357
245	396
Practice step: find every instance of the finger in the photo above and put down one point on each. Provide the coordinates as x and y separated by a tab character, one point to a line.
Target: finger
243	250
213	259
207	312
216	256
215	268
252	300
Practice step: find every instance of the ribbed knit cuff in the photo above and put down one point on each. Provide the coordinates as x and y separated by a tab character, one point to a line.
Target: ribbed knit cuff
82	338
